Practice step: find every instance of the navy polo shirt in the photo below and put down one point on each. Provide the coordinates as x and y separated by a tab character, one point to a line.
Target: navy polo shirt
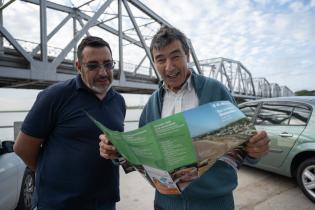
70	173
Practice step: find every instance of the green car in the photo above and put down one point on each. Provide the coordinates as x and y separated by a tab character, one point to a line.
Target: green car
290	124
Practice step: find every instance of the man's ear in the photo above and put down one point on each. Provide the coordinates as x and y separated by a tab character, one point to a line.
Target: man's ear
78	67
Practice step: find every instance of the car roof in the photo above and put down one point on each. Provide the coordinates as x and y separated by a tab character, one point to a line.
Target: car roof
305	99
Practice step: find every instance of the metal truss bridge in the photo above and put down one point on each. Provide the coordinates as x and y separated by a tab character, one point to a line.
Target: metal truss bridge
36	52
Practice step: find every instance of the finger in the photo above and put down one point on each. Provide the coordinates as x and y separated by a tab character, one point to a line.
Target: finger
109	154
106	156
107	148
258	155
189	177
184	171
103	138
258	137
107	151
261	143
257	152
252	150
104	141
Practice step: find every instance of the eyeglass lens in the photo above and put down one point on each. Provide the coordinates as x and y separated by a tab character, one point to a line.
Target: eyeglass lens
96	66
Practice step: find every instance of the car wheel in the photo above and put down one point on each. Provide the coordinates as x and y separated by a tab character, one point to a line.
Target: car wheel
27	189
305	177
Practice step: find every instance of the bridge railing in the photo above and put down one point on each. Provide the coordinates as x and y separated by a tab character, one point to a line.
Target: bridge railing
233	74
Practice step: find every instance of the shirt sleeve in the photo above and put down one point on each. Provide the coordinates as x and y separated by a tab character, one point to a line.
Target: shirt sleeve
41	118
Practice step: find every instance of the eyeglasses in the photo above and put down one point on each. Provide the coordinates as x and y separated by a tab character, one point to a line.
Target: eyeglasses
97	66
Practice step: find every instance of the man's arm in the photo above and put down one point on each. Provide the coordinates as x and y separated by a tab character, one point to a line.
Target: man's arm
28	148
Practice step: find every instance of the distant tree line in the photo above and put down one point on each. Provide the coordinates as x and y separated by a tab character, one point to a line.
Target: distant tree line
305	93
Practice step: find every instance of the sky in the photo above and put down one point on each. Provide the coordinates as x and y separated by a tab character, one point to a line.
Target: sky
274	39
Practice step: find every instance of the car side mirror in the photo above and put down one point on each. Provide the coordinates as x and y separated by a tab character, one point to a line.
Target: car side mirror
1	150
6	147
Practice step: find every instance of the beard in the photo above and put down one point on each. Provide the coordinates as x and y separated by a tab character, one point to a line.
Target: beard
99	90
99	85
95	87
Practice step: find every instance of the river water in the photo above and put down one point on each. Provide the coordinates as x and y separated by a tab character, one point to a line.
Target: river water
15	103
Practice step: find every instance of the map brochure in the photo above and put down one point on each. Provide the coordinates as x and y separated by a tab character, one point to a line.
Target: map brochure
173	151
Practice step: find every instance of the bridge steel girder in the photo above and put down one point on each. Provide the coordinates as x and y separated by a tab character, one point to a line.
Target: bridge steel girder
231	73
285	91
275	90
38	67
263	88
22	67
2	6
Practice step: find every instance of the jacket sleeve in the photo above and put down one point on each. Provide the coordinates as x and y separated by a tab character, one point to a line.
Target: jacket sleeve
142	120
151	111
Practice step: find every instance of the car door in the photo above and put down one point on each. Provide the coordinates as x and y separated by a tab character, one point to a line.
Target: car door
8	177
283	122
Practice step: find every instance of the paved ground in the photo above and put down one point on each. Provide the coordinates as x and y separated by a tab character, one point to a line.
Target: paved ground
257	190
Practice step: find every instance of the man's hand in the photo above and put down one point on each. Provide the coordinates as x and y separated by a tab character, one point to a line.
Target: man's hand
184	177
258	145
107	150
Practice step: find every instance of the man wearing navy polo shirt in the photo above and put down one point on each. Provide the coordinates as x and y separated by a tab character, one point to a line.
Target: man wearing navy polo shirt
60	142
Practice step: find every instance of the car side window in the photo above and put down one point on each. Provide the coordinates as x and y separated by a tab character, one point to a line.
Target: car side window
274	114
249	110
300	115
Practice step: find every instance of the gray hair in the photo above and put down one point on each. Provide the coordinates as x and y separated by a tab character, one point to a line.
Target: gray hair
165	36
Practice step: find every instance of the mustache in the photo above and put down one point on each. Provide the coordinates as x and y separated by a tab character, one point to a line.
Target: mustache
103	78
